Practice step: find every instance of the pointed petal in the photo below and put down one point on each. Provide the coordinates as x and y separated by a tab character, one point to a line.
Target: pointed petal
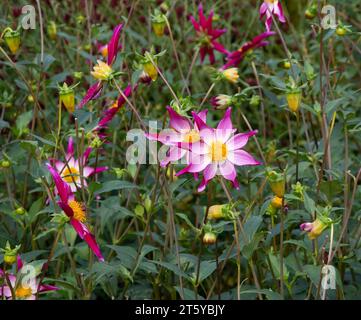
242	158
61	186
113	44
178	122
239	140
84	234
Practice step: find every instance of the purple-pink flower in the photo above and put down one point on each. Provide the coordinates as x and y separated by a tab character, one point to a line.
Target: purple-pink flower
112	51
207	35
218	151
75	211
181	135
23	290
269	8
235	57
70	170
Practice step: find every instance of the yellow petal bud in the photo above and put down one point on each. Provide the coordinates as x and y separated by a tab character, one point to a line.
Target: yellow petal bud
293	100
215	212
151	70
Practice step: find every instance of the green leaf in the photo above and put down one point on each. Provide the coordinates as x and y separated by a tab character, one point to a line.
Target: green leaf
115	185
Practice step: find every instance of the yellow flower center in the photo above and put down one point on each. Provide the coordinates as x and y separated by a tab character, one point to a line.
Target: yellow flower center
78	210
270	1
70	175
102	71
23	293
218	151
192	136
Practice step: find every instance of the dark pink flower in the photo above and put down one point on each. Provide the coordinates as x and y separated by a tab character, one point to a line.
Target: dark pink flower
235	57
207	35
75	211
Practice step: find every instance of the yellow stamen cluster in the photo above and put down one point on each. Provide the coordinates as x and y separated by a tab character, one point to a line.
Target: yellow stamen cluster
218	151
23	292
70	175
78	210
192	136
102	71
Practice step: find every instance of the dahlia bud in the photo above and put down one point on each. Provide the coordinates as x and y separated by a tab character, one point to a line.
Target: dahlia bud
209	238
52	30
10	254
341	31
276	202
20	211
294	100
67	97
230	75
158	23
150	70
277	183
222	101
5	164
314	228
216	212
255	100
311	11
12	39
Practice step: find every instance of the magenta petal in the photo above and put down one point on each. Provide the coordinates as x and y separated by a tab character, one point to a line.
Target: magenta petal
211	57
202	18
263	9
239	140
62	187
92	93
242	158
278	11
198	164
195	23
219	47
47	287
19	262
113	44
202	53
226	122
199	122
178	122
127	92
70	149
84	234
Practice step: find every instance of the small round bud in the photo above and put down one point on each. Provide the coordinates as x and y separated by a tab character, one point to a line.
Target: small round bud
209	238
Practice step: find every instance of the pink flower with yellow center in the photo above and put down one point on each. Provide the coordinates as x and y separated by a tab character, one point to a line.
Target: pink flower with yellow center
269	8
24	290
207	35
181	135
70	169
75	211
218	151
